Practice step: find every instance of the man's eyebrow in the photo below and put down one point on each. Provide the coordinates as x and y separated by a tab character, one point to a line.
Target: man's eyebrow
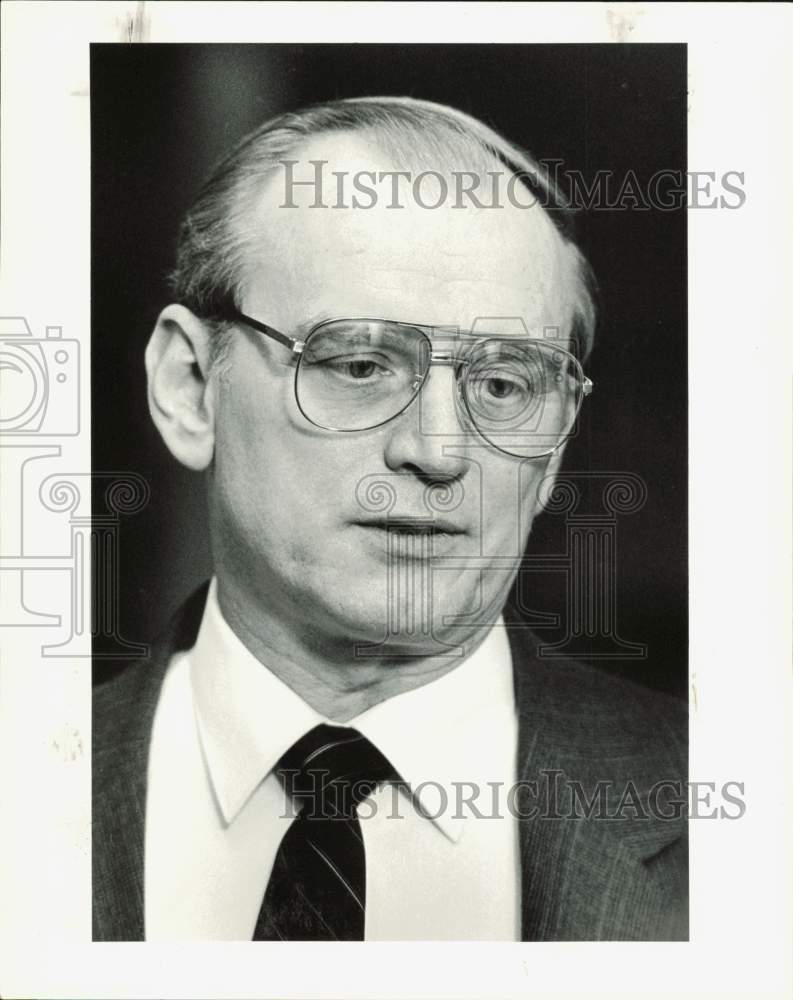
304	327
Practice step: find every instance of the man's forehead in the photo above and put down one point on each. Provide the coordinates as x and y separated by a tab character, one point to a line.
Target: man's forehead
309	234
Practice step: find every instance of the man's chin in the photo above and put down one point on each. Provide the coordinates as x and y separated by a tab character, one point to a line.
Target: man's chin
406	623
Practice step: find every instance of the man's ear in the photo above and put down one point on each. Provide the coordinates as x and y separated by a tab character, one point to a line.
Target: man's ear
181	396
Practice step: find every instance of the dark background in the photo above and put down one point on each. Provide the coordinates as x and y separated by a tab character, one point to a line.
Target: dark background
161	115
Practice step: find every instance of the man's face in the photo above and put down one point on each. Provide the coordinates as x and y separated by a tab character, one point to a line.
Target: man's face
301	515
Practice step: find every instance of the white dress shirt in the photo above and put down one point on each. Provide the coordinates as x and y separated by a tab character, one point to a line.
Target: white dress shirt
216	811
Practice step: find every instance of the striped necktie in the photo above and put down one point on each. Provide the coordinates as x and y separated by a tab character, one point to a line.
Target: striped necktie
317	889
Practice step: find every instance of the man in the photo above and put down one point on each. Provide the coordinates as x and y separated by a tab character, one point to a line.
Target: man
376	366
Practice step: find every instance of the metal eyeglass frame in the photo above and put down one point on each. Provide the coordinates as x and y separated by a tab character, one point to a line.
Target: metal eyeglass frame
297	347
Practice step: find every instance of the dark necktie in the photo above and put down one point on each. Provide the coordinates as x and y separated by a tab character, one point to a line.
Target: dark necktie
317	889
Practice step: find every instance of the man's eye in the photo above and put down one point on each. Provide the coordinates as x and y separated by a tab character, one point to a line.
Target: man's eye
500	388
361	369
357	369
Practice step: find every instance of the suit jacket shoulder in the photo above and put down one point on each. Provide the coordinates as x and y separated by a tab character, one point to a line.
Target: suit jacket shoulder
123	713
602	800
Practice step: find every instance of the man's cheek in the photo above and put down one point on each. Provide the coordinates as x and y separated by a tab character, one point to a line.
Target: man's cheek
506	527
311	551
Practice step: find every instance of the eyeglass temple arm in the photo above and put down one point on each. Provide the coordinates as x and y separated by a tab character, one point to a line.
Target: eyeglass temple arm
294	345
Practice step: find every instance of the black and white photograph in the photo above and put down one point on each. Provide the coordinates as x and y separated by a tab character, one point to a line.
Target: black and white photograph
382	349
367	524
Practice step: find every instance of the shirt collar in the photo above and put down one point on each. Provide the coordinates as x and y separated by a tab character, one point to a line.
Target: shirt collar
452	732
449	731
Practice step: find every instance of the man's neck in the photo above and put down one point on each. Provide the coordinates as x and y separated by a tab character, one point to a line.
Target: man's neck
327	674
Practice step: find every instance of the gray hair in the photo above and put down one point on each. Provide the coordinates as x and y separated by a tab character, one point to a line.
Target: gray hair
215	240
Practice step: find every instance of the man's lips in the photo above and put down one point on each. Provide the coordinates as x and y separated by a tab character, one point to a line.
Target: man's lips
417	525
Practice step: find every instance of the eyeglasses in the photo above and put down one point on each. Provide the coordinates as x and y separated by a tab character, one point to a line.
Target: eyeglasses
521	395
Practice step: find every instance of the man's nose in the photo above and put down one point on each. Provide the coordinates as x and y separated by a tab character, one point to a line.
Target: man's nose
428	438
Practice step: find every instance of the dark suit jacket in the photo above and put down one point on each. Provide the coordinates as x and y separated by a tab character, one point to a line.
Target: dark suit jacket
603	862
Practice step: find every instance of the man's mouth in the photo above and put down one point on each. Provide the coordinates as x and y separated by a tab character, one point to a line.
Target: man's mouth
422	526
